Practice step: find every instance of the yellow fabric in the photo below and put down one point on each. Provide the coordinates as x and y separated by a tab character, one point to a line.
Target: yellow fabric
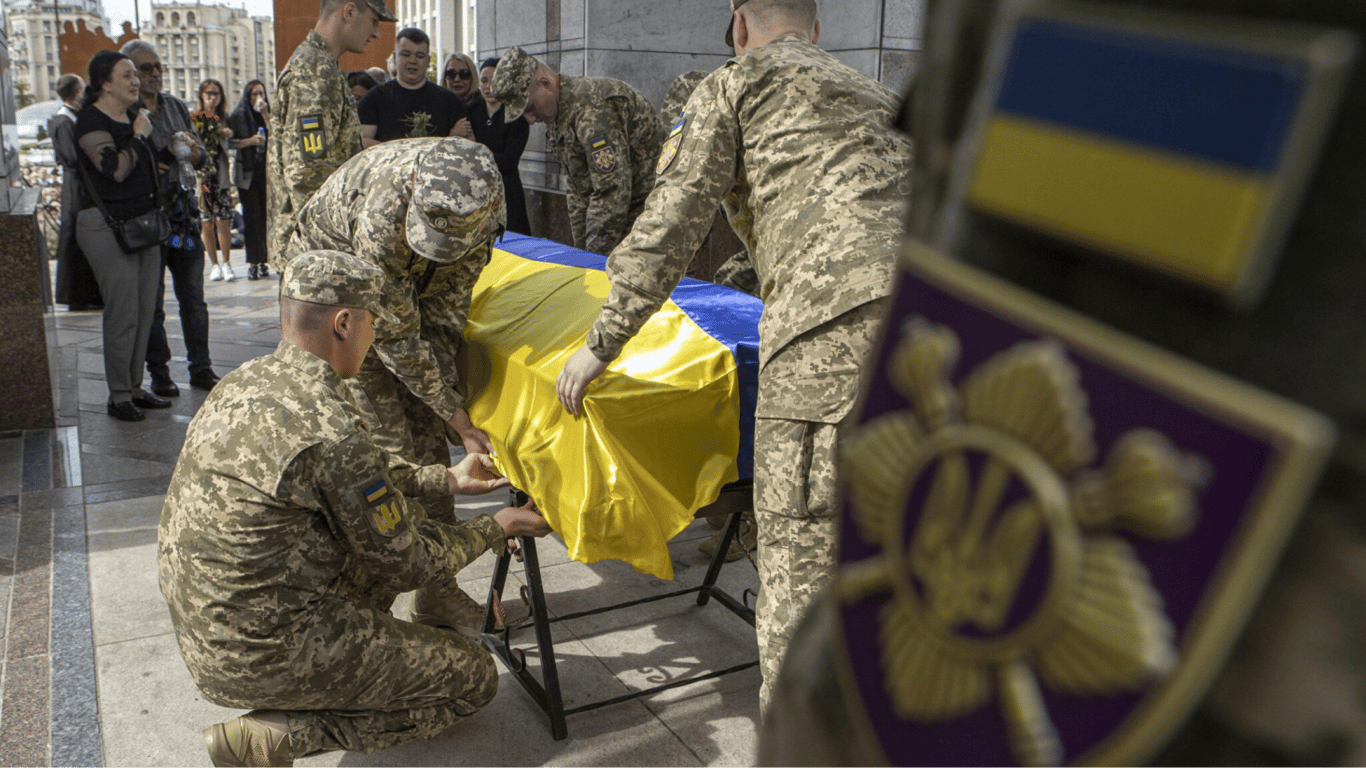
660	430
1196	219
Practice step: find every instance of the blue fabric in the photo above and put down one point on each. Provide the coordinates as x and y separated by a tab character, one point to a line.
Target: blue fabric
729	316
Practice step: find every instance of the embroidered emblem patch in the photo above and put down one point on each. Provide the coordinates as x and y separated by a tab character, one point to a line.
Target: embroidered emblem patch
671	145
604	155
311	136
382	509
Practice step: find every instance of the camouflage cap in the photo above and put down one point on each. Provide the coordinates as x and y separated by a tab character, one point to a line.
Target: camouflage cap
730	30
335	279
511	82
381	10
457	200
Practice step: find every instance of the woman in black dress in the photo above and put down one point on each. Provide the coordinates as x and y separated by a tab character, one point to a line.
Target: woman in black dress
250	128
506	141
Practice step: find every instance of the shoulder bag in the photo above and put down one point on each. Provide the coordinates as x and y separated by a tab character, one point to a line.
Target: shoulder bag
140	232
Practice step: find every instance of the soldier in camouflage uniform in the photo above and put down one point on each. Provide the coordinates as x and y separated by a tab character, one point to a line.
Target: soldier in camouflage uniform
820	179
604	133
426	212
314	123
284	518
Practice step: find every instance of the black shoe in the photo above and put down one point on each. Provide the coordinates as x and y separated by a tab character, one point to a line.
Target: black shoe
125	411
251	271
163	386
145	399
203	380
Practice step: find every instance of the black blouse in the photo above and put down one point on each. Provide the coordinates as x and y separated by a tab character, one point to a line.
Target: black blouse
123	198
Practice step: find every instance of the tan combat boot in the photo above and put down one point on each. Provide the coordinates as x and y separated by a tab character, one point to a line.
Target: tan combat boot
256	738
747	540
448	606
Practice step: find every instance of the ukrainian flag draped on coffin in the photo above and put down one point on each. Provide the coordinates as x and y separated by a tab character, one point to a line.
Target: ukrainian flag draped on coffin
668	423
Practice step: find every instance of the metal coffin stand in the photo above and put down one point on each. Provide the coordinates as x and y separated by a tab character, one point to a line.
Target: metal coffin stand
734	499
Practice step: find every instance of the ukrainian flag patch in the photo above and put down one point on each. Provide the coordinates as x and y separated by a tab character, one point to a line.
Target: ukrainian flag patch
376	493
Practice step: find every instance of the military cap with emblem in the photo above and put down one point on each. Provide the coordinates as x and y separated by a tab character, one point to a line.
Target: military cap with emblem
730	29
512	81
335	279
457	200
381	10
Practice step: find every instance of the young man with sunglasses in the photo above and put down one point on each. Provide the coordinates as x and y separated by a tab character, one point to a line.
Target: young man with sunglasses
411	106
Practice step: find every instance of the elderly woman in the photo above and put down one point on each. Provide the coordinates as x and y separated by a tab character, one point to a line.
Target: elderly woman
117	166
458	77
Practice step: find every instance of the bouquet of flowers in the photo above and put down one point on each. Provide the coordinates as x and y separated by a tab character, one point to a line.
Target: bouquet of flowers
209	128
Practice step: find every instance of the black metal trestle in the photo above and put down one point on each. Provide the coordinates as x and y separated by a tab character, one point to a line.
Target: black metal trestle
733	500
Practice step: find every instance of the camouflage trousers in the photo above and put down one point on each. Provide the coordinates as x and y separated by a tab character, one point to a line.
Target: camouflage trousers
403	425
363	681
814	381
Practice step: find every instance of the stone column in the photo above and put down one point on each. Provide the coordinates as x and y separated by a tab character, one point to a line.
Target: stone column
26	395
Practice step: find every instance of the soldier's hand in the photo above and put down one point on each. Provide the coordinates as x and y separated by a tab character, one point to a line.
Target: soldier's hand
573	381
522	521
474	439
475	474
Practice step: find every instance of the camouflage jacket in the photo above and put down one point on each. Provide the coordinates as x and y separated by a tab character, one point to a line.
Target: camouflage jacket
361	209
820	177
314	129
280	500
606	137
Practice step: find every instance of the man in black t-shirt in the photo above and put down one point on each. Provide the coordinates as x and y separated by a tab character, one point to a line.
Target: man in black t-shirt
410	105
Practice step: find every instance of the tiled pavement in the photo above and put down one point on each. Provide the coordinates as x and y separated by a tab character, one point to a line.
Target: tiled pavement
91	675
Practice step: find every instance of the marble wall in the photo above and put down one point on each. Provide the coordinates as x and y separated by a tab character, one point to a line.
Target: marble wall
648	43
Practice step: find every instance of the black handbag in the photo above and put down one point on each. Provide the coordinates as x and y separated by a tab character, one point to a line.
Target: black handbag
140	232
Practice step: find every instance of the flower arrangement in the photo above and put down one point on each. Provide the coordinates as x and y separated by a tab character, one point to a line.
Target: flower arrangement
209	128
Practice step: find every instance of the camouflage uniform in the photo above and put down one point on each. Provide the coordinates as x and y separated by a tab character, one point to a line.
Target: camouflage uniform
408	383
606	137
281	520
738	271
820	178
314	130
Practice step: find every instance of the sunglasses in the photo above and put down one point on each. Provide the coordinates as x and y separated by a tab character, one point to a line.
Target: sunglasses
463	74
156	67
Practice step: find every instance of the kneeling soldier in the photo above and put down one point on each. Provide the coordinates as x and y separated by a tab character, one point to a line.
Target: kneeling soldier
284	520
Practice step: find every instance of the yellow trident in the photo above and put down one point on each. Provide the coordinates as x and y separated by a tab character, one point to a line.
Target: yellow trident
387	518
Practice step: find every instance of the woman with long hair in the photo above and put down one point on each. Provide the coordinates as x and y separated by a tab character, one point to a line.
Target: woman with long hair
118	167
215	185
458	77
250	125
506	141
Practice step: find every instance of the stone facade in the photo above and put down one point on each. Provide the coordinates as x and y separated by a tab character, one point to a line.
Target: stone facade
34	29
198	42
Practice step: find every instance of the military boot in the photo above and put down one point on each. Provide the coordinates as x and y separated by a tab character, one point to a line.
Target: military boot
448	606
256	738
748	539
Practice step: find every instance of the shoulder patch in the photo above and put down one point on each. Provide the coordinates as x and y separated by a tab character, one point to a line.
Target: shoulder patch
603	154
671	145
382	509
312	138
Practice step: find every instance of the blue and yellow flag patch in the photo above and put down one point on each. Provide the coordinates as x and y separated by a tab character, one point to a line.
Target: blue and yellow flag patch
671	145
383	511
603	155
312	139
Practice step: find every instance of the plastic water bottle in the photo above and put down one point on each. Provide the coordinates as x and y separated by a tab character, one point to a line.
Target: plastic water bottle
182	153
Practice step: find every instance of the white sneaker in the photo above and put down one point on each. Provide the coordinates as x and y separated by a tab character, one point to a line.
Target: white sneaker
216	273
228	275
